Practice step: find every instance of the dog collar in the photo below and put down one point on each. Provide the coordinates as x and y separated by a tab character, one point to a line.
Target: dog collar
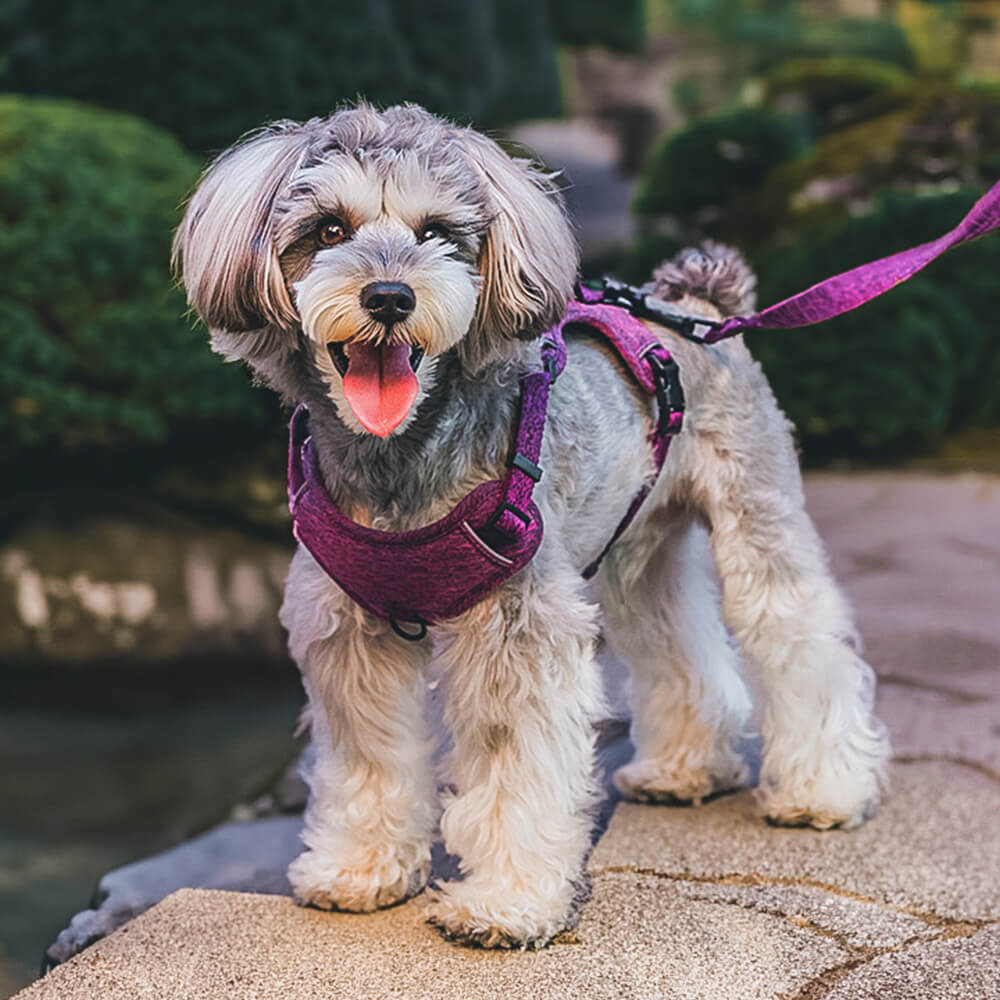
416	578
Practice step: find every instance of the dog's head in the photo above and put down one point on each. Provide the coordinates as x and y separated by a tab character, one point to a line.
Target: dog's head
386	238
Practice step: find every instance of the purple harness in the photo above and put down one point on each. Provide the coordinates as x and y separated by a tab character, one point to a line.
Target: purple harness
439	571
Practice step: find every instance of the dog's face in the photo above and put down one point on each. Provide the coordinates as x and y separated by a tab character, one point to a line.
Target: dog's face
387	238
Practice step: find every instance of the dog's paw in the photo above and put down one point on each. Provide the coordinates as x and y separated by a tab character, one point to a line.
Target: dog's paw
474	916
834	787
321	880
660	781
784	810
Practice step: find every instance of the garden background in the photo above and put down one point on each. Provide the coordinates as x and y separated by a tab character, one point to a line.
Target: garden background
144	693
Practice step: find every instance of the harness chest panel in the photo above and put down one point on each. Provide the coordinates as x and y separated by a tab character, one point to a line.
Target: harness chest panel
438	571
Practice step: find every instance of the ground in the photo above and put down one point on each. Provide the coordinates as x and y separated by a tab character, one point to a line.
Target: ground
708	902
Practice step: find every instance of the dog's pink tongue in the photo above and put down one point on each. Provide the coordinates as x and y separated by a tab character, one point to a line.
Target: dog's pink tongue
380	385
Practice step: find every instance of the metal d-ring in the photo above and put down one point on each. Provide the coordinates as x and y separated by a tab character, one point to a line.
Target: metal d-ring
410	636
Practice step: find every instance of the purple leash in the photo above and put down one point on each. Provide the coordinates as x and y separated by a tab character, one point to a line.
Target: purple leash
850	289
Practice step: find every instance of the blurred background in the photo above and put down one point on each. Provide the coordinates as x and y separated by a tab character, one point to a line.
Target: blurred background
144	690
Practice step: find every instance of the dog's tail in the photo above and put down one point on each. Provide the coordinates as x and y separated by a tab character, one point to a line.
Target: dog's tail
713	272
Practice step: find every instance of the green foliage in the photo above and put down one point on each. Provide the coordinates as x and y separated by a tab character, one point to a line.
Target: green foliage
773	31
620	25
716	159
830	87
95	348
895	374
210	71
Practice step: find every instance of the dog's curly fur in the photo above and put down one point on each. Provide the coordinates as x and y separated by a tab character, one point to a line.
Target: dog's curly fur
483	242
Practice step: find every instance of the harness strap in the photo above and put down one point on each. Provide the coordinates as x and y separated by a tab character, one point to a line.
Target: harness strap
511	518
651	365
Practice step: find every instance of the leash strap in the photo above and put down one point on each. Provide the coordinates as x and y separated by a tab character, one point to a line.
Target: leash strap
846	291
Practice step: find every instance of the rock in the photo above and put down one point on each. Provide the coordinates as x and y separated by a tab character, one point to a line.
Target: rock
143	591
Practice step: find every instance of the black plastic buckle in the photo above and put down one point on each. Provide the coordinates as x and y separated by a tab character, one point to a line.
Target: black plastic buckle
532	471
617	293
491	534
669	394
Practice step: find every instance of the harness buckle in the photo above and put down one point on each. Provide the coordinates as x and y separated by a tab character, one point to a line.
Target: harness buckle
491	531
669	393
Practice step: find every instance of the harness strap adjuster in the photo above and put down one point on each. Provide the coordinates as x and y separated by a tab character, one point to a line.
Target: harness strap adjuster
529	468
669	394
491	530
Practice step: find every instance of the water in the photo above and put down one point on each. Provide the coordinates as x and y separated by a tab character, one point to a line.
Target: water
81	793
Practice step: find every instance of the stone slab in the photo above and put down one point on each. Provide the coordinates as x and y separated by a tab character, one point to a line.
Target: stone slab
637	939
957	968
931	849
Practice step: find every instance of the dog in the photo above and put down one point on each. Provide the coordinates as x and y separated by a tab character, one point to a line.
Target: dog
280	247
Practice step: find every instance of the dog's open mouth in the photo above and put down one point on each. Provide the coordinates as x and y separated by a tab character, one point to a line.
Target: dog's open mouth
380	381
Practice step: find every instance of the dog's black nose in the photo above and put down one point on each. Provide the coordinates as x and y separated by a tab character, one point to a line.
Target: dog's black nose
388	301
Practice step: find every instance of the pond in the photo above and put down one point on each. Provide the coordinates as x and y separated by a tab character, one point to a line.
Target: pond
82	792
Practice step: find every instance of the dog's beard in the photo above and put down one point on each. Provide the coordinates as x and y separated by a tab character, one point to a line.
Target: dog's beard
373	368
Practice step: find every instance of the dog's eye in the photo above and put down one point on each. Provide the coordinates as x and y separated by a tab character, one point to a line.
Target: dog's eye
331	232
432	231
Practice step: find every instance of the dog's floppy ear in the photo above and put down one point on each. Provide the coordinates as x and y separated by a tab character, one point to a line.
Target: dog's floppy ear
223	250
529	258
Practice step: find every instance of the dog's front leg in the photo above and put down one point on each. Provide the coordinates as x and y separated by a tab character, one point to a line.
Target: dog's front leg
523	694
371	806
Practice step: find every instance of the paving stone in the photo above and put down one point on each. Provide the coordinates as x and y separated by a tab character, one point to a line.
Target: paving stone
933	724
932	847
960	968
854	922
639	939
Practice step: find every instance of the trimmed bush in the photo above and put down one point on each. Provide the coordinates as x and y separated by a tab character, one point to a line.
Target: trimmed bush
831	88
209	71
893	375
620	25
714	159
95	348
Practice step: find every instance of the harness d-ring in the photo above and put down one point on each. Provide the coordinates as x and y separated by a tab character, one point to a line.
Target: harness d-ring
410	636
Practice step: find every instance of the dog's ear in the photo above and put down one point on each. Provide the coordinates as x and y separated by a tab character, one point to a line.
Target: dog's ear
223	250
529	258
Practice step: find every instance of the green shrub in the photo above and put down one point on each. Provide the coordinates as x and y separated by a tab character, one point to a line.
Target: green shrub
620	25
95	348
895	374
831	88
210	71
700	173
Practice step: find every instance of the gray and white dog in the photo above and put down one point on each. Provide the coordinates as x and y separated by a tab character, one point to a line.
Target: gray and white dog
279	250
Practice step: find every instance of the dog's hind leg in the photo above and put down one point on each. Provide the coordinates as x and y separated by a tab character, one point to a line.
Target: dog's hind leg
689	702
371	808
523	694
824	750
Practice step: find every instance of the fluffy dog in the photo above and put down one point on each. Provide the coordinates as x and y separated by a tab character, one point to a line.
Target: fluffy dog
471	259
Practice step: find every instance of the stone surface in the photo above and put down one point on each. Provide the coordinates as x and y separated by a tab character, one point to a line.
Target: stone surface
635	940
143	589
956	968
708	902
931	848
